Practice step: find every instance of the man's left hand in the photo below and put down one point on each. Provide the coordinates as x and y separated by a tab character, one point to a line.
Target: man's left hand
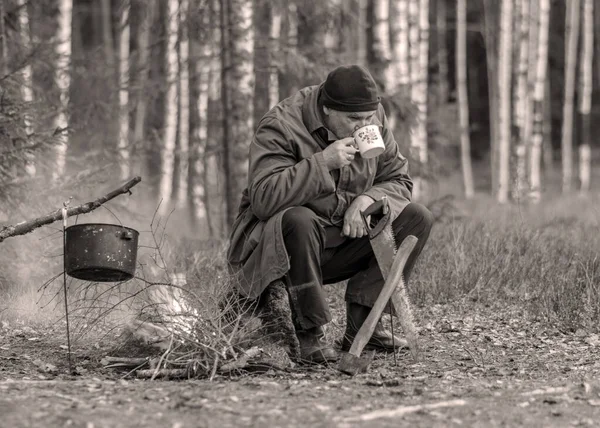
353	224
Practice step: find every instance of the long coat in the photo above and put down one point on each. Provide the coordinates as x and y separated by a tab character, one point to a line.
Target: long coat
287	169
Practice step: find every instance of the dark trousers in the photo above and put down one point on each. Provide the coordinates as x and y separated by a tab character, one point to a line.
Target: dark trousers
316	259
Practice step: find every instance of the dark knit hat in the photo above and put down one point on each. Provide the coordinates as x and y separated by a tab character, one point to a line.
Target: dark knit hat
350	88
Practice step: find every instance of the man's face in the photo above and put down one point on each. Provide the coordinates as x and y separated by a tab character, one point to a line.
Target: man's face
344	123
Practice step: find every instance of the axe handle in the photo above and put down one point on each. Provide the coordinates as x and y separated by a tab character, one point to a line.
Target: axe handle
394	278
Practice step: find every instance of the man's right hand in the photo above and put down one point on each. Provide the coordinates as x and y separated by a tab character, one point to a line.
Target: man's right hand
340	153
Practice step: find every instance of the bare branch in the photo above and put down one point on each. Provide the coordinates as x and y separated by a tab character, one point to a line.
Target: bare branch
30	225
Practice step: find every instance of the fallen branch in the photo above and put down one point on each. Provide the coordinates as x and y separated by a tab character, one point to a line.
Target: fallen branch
126	363
30	225
549	390
404	410
241	362
162	373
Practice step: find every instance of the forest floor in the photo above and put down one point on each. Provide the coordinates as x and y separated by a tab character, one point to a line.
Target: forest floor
479	366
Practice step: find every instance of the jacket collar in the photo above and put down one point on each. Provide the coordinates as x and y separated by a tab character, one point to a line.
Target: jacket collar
311	114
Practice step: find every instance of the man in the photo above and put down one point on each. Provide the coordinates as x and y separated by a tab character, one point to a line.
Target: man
299	218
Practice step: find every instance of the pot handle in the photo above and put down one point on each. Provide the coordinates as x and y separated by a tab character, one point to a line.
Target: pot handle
125	235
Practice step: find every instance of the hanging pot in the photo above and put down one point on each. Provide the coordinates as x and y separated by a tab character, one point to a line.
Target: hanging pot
101	252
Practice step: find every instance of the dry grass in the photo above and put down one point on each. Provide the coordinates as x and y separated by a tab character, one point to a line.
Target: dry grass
541	258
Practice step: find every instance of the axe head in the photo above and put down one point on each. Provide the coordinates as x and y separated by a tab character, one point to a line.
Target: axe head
353	365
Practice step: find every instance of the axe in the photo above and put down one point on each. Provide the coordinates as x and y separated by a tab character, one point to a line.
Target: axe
351	362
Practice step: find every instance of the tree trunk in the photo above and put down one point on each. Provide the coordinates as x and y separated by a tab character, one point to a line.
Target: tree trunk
239	77
109	52
463	102
379	54
198	182
491	49
572	40
63	82
332	33
274	54
401	57
547	149
287	82
539	90
585	105
419	39
3	44
521	95
504	84
534	25
142	73
27	84
442	51
184	104
123	146
399	65
597	35
262	26
170	123
362	29
214	181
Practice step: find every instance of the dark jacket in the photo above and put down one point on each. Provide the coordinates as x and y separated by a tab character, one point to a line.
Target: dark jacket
287	169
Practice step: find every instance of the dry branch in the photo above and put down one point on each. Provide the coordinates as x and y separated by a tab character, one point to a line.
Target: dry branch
404	410
30	225
163	374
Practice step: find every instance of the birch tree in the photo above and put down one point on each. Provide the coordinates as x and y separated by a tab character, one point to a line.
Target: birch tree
170	123
463	102
62	77
399	65
184	104
274	53
572	40
419	53
539	91
504	97
123	145
380	53
521	94
585	100
239	124
27	84
401	58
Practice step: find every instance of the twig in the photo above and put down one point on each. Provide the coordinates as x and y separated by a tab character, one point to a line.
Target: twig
214	369
403	410
30	225
162	358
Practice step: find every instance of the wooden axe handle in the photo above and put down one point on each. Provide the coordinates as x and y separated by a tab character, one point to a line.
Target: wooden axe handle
395	276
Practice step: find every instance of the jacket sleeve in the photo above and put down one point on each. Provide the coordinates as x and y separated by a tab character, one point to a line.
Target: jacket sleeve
392	178
277	178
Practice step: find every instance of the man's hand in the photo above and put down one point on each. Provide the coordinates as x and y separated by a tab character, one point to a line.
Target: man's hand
353	224
340	153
